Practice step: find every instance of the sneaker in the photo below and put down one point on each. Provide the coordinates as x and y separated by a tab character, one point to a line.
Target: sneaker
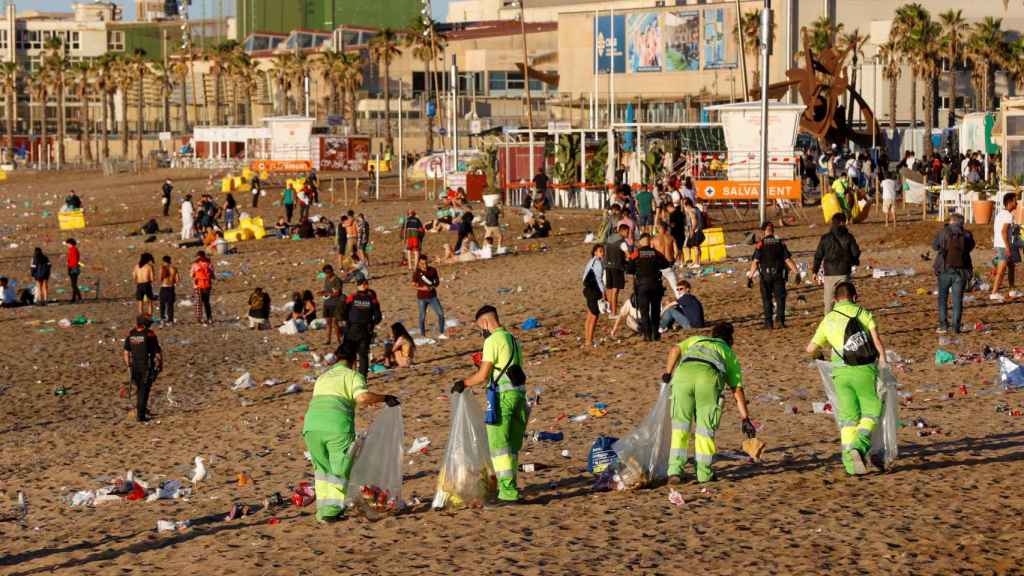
442	337
1015	294
877	461
858	463
662	330
941	330
996	296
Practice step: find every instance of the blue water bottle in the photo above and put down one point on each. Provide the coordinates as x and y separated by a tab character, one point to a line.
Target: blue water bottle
492	416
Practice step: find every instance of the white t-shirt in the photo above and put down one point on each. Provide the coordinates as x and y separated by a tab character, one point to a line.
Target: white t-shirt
1003	218
889	189
676	197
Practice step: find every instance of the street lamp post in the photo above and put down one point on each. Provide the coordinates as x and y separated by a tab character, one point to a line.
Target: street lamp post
766	48
526	64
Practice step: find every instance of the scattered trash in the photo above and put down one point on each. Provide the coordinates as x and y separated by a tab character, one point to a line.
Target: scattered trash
298	349
466	478
303	495
943	357
293	389
419	445
171	526
548	436
643	453
822	408
530	323
676	498
754	448
579	418
272	382
244	382
169	490
601	455
1011	374
565	454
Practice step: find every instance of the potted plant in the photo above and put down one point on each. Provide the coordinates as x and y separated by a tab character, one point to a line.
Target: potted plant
981	206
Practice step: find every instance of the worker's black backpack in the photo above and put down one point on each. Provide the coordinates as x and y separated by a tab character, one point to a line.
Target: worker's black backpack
858	346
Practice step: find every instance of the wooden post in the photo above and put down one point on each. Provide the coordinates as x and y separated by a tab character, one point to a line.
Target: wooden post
332	189
344	182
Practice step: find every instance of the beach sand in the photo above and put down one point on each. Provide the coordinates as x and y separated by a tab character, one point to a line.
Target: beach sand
950	505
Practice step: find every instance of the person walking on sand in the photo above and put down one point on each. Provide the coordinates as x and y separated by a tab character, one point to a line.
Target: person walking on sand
615	266
699	368
202	285
772	262
426	280
362	316
666	246
852	329
144	360
954	269
165	196
332	291
288	201
187	218
230	210
362	238
694	231
593	292
329	428
143	275
835	257
501	369
646	266
412	234
1003	241
41	274
74	268
168	281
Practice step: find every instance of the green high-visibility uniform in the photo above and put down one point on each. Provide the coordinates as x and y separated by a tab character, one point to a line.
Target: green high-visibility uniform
859	406
706	366
506	438
329	429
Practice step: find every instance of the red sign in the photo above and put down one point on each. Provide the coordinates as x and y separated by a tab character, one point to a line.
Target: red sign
340	153
281	166
727	190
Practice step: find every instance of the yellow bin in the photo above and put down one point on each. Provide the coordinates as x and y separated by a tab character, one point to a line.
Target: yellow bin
71	220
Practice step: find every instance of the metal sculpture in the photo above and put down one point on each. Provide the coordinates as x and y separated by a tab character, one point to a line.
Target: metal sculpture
821	83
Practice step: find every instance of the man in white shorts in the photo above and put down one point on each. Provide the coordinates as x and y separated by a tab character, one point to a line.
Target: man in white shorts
889	199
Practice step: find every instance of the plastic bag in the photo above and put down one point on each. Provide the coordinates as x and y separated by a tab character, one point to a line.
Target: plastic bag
375	481
292	327
643	453
1011	374
883	438
602	455
467	475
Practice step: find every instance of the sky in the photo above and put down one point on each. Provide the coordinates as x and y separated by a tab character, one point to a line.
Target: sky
440	6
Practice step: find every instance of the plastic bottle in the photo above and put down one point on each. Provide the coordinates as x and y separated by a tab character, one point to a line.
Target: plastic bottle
548	436
533	467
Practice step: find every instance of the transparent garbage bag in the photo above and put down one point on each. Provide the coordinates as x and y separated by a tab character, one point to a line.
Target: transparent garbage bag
467	476
884	440
643	453
375	481
1011	374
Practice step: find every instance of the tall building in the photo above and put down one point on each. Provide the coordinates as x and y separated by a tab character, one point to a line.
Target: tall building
283	16
153	10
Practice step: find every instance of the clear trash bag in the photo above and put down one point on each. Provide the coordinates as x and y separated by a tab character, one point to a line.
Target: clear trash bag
467	475
375	481
643	453
1011	374
884	437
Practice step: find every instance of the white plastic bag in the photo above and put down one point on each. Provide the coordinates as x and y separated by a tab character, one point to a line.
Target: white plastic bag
467	476
292	327
1011	374
244	382
643	453
375	481
884	437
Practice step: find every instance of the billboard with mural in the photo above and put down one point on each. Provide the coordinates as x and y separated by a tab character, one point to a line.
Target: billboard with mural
719	50
682	41
645	50
610	44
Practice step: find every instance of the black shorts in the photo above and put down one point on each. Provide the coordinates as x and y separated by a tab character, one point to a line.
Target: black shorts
329	307
144	291
592	297
615	279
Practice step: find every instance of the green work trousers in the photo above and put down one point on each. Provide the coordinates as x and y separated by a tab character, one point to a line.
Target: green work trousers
329	452
696	410
859	408
505	439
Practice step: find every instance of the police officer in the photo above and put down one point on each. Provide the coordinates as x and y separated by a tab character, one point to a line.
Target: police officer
646	265
773	262
362	314
144	360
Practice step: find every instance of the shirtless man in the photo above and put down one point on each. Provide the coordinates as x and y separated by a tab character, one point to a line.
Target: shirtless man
666	246
143	274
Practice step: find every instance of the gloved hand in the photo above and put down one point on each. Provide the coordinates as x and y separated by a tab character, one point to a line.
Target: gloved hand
458	386
666	378
748	428
391	401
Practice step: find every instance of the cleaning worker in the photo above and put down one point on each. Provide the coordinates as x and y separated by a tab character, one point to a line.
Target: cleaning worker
851	332
506	418
699	368
329	430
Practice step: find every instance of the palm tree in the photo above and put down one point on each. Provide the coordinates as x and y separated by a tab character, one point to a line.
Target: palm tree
888	54
351	81
908	20
9	79
824	34
38	85
56	61
384	47
163	76
106	84
330	65
249	78
301	68
987	50
181	68
1015	62
954	32
220	58
82	82
926	65
854	42
422	38
750	31
281	73
123	80
137	68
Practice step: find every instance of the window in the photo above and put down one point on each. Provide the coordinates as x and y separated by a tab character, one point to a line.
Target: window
496	82
3	39
960	102
73	42
28	40
115	40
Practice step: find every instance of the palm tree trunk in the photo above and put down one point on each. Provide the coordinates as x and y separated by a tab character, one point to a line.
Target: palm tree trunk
892	106
60	120
184	106
913	100
11	96
105	150
141	118
929	121
952	91
217	102
85	129
853	85
387	105
430	117
353	110
124	124
43	134
335	105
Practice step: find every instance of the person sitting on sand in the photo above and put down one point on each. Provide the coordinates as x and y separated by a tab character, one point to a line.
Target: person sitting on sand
400	352
8	294
283	228
297	307
539	227
308	307
259	309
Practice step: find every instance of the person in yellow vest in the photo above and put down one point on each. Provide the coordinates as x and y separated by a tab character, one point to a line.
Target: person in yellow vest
699	368
840	187
501	368
329	430
857	354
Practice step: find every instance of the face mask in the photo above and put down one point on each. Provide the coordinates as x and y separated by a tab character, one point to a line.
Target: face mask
485	333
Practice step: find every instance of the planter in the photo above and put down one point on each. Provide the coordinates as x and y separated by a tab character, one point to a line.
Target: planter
982	211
